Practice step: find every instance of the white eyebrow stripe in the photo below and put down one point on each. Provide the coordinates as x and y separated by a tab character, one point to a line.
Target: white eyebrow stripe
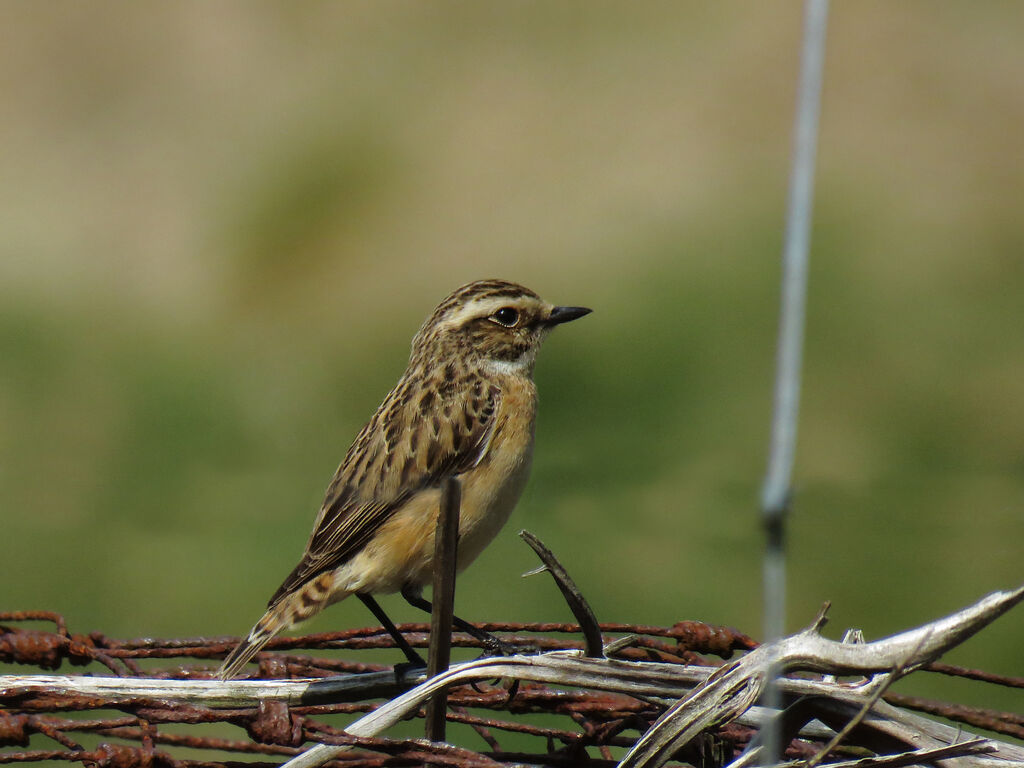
479	308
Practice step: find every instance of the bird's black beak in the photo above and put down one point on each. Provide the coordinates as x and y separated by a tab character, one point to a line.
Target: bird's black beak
561	315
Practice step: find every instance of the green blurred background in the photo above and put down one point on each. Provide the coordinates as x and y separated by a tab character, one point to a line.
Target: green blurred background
220	225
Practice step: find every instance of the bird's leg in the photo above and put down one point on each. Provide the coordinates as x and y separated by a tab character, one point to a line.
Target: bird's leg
492	644
414	658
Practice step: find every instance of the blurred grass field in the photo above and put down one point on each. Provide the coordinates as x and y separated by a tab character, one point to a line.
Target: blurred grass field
221	226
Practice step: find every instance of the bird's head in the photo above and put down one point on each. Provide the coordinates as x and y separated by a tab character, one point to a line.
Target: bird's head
498	324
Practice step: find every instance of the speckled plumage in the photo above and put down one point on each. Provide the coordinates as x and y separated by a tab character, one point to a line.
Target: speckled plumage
465	406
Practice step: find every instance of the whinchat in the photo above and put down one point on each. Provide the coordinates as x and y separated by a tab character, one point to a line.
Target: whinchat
465	408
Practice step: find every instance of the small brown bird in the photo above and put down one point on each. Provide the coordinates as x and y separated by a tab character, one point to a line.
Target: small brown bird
464	407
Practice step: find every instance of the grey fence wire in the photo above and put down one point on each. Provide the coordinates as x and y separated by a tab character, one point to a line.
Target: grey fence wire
776	491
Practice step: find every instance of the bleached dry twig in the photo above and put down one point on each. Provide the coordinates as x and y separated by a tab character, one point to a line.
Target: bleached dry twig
737	686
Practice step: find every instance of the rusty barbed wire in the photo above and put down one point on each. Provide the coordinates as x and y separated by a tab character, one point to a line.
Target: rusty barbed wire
276	730
1007	723
47	650
975	674
597	723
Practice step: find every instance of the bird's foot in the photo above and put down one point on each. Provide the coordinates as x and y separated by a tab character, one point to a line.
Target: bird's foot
409	669
495	646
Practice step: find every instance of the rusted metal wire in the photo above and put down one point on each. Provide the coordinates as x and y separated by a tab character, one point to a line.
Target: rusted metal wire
1007	723
975	674
48	650
596	720
581	725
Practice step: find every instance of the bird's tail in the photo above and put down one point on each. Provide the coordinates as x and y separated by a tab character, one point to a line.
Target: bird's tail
259	636
284	612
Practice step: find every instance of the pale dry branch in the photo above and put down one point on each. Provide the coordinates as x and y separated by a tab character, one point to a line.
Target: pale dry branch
737	686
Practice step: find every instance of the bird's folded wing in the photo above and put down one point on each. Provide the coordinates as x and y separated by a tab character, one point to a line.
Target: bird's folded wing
400	452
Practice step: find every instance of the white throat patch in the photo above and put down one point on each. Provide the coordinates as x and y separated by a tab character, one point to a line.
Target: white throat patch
518	367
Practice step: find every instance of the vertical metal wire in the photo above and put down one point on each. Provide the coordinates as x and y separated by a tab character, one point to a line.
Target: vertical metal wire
776	491
443	596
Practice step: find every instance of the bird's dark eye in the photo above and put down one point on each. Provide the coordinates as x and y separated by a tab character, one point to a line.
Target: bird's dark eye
507	316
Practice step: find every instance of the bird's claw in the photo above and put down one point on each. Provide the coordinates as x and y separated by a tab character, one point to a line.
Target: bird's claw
494	646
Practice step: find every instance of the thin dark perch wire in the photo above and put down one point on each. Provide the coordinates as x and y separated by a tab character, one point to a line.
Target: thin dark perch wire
443	597
594	646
